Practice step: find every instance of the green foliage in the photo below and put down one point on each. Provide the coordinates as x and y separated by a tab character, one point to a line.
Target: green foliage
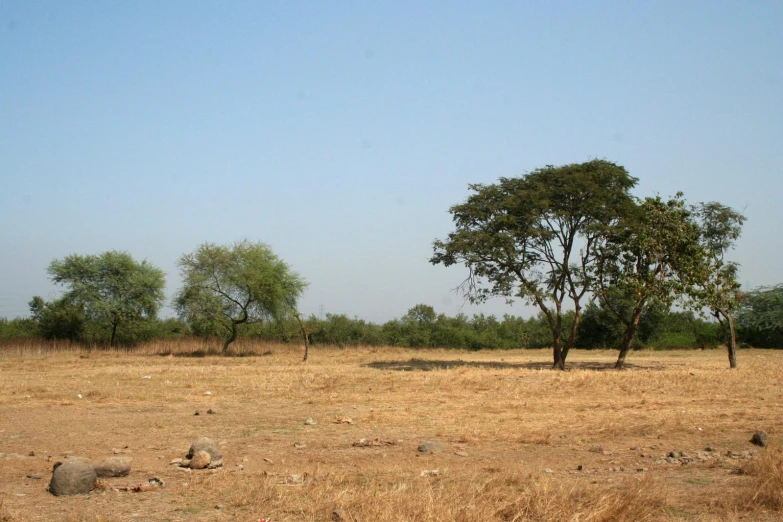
760	317
112	290
18	328
59	319
228	286
534	237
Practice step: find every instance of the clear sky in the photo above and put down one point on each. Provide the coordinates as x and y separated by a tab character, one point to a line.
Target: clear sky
339	133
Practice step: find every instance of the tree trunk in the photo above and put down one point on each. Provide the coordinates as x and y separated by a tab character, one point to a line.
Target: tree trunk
630	333
232	337
732	344
729	336
304	336
559	360
113	332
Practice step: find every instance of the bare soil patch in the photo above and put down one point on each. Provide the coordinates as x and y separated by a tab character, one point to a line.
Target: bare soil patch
522	442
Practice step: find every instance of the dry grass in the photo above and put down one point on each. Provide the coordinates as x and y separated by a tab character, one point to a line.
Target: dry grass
521	431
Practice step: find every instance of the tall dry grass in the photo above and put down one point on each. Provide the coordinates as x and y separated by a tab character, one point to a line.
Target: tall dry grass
766	487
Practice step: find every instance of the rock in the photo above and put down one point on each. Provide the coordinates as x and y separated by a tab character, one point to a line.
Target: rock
580	467
641	470
300	445
197	413
461	453
431	446
672	454
34	477
709	448
339	515
429	473
113	467
547	470
210	411
73	477
176	461
201	459
31	454
759	439
309	422
208	445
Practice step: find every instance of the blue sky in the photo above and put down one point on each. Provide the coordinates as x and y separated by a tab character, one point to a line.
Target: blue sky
339	133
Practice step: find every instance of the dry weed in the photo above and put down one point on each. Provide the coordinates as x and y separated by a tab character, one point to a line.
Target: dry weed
766	488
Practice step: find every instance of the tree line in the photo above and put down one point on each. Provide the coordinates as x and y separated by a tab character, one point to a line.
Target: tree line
603	267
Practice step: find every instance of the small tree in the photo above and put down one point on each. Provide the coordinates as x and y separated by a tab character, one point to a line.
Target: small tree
111	288
535	237
761	316
645	257
714	284
234	285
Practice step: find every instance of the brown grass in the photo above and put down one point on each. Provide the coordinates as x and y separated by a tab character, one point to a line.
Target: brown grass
521	431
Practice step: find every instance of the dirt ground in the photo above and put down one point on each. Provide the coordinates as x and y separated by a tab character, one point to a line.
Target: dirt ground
522	442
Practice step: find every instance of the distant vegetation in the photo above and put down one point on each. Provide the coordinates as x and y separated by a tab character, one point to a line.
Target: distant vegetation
604	268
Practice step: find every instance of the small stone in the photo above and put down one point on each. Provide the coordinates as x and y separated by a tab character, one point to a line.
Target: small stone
31	454
759	439
210	411
429	473
339	515
34	477
461	453
309	422
197	413
73	477
200	460
268	461
672	454
547	470
175	461
641	470
580	467
300	445
431	446
219	506
709	448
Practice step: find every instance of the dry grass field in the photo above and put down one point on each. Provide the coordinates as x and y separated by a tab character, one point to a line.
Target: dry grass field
515	432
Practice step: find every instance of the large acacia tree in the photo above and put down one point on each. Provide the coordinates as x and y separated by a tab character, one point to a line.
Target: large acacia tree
233	285
534	238
111	288
648	255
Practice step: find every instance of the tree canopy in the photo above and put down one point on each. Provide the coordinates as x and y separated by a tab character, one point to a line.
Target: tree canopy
110	289
535	238
226	286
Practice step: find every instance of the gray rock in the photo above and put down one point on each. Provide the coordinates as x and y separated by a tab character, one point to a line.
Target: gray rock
431	446
309	422
73	477
208	445
759	439
339	514
113	467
